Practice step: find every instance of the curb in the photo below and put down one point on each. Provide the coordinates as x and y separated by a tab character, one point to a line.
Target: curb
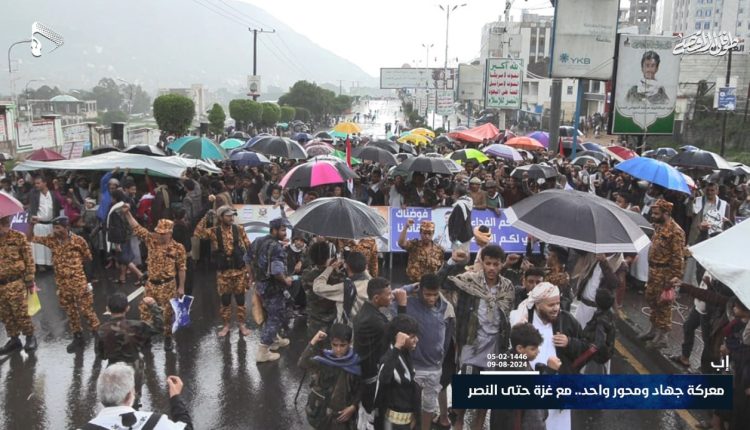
631	330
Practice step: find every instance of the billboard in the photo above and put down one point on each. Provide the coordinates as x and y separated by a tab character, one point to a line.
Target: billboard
35	135
435	78
444	102
253	85
584	39
645	85
504	80
470	82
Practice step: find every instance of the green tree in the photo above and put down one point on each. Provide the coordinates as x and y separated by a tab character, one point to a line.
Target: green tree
302	114
45	92
174	113
216	118
107	95
317	100
287	113
110	116
244	112
141	99
342	104
271	114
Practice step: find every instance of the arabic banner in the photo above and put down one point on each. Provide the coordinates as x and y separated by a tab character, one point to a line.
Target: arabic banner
646	85
584	39
35	135
444	102
706	42
515	391
434	78
504	81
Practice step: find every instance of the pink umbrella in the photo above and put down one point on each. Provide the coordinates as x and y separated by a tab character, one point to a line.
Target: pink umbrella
317	150
9	205
316	142
45	154
315	173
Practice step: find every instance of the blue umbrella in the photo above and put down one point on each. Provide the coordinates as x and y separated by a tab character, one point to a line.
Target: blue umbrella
256	138
591	146
655	171
302	137
541	136
245	158
198	147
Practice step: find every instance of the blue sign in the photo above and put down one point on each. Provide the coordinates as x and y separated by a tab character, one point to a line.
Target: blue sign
20	222
727	98
398	218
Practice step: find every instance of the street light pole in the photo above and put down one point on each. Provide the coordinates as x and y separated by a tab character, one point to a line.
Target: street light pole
255	51
10	70
26	93
130	102
448	9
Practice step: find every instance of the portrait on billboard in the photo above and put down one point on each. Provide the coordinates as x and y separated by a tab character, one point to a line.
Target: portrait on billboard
648	89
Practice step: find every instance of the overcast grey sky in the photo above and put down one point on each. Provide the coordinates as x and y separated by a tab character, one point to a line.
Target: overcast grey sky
388	33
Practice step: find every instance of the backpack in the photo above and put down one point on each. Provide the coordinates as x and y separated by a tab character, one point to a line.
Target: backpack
604	352
236	259
263	246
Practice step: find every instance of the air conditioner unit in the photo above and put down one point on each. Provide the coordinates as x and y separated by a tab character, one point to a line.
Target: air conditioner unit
497	30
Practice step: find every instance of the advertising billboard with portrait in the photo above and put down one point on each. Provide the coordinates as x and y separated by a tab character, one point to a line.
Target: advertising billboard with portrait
646	84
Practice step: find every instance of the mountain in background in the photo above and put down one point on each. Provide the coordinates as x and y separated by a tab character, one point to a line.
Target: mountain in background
165	44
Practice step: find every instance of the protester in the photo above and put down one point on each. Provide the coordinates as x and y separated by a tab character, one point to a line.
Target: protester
424	256
44	207
349	295
321	312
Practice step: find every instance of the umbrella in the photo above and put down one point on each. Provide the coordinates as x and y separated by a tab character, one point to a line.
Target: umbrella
9	205
690	181
254	139
600	156
424	132
338	134
323	135
688	148
231	143
463	155
430	165
375	154
145	149
45	154
503	151
314	174
280	147
104	149
586	159
740	169
700	160
302	137
239	135
339	218
655	171
341	155
316	150
541	136
387	145
592	146
283	125
461	128
315	142
620	152
535	171
198	147
347	128
247	158
404	156
393	138
337	162
581	221
442	140
720	256
414	139
525	142
4	156
405	147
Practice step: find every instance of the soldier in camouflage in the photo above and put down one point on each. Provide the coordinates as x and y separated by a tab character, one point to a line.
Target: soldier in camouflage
267	258
69	254
665	261
122	340
16	276
229	244
367	247
424	255
167	263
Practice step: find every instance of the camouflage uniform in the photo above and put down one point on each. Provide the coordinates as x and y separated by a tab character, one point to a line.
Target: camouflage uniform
561	279
367	247
16	271
163	262
270	258
665	261
423	259
231	281
68	259
121	341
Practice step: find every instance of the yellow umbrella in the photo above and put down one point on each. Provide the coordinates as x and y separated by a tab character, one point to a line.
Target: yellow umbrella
424	132
415	139
347	127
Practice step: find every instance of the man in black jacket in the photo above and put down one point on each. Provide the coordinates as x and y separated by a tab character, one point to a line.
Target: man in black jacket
460	231
369	336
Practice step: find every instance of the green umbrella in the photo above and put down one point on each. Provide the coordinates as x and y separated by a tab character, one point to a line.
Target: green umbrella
232	143
337	134
342	156
198	147
464	155
282	125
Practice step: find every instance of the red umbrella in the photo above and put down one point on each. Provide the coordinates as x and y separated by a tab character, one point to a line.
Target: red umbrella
9	205
45	154
621	152
525	142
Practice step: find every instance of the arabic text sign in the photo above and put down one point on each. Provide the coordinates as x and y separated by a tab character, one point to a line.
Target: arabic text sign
504	81
36	135
75	133
444	102
584	35
470	80
398	78
705	42
509	391
727	98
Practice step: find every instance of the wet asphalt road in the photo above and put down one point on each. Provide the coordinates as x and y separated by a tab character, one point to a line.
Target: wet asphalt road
224	388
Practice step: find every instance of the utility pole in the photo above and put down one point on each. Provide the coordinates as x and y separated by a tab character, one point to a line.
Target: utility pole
255	51
724	118
554	115
448	8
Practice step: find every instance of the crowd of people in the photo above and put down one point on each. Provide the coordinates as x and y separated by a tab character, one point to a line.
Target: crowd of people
378	354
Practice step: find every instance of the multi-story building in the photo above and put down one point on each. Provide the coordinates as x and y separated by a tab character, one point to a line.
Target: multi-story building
688	16
70	109
197	93
643	14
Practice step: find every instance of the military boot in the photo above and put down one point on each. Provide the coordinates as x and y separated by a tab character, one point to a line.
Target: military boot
13	345
280	342
659	341
649	335
31	343
77	343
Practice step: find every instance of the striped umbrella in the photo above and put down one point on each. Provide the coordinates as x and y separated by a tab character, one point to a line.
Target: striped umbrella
315	150
198	147
316	173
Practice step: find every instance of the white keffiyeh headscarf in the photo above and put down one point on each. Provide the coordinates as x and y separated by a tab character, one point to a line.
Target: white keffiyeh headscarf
543	291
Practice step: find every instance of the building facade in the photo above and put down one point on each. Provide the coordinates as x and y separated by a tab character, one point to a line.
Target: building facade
643	14
70	109
197	93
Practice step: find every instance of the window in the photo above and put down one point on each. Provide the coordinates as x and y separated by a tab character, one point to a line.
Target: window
595	86
708	12
570	90
699	13
706	25
698	26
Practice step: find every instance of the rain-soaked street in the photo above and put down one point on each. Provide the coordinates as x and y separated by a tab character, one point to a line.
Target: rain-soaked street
224	388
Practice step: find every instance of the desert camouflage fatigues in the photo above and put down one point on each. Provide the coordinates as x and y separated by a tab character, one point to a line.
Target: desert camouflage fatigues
232	281
562	280
68	258
665	261
163	262
423	259
367	247
16	271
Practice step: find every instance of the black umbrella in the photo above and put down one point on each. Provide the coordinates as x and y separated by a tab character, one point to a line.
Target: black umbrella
577	220
388	145
403	157
585	159
340	218
239	135
280	147
144	149
373	153
442	140
405	147
430	165
700	160
740	169
323	135
104	149
535	171
600	156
